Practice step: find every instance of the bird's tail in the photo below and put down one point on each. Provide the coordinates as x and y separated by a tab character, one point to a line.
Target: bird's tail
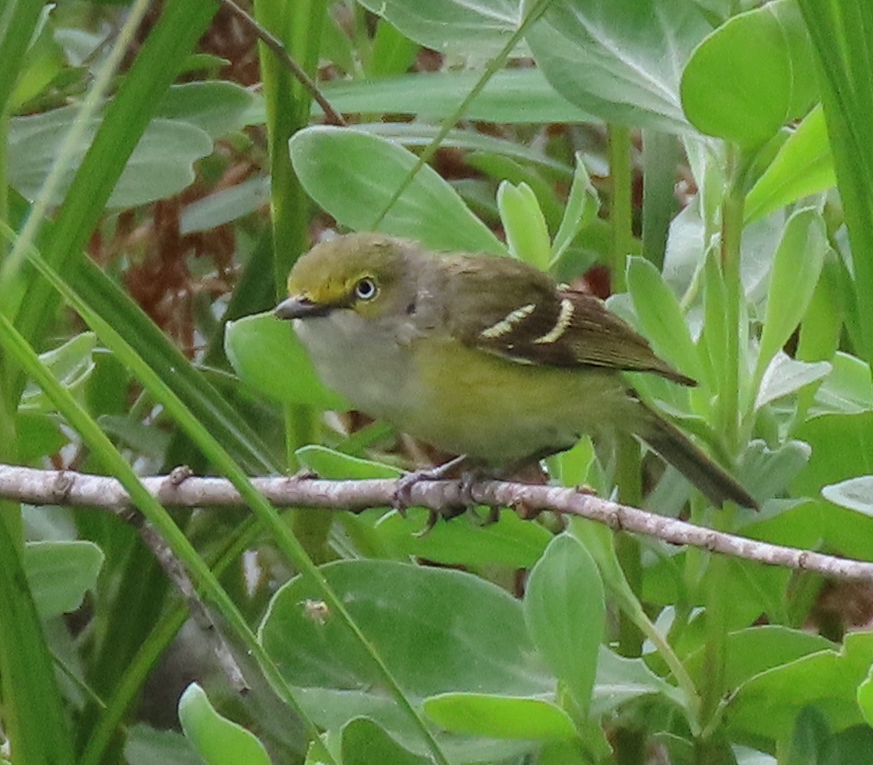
675	447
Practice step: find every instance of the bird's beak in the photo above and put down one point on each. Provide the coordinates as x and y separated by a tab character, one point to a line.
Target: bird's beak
297	307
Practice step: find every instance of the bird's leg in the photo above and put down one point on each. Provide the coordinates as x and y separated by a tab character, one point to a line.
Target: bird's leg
402	494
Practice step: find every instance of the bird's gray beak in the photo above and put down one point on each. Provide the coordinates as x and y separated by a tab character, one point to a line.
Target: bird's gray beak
296	307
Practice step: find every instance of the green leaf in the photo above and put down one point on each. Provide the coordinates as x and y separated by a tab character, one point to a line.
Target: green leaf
34	720
840	449
796	268
466	541
217	107
809	739
71	363
147	746
336	466
37	435
582	204
661	317
802	166
619	59
438	630
526	232
452	25
620	679
566	615
767	704
266	354
353	176
865	697
511	96
785	375
218	741
854	494
225	206
848	389
60	573
751	76
480	714
161	165
420	135
364	742
752	651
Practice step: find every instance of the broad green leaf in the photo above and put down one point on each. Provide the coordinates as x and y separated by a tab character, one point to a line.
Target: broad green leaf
35	714
480	714
620	679
335	466
364	742
416	134
71	363
661	317
353	176
767	704
267	355
565	612
60	573
225	206
840	450
810	739
466	541
438	631
452	26
749	652
37	434
218	741
619	59
160	166
865	697
582	204
147	746
217	107
512	96
526	232
751	76
796	268
333	709
43	62
802	166
785	375
848	389
854	494
392	53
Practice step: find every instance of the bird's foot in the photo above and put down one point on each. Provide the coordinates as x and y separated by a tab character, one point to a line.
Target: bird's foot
402	498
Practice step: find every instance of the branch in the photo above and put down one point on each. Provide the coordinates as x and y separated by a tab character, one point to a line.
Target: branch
179	489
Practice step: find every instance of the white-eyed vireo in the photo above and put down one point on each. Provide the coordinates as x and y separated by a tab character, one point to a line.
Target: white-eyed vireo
480	356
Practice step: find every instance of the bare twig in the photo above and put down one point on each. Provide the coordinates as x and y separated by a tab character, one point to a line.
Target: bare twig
332	116
49	487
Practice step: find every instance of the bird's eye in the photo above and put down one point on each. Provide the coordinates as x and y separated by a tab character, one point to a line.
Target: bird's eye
366	289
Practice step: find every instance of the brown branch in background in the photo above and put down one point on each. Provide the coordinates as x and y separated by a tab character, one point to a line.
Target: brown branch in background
197	609
332	116
49	487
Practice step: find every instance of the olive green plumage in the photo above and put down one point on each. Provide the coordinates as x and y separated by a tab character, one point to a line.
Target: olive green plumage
480	355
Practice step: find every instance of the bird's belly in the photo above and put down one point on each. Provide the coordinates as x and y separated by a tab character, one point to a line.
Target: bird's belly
462	400
500	411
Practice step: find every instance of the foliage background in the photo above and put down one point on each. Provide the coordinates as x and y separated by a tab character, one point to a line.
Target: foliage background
706	165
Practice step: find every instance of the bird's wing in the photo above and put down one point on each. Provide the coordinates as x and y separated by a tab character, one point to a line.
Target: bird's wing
546	325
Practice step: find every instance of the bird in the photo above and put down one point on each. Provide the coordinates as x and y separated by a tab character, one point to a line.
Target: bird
482	356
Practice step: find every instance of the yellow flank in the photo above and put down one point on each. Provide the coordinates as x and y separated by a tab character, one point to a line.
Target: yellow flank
509	410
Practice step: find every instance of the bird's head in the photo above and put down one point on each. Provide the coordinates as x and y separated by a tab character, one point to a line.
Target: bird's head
361	272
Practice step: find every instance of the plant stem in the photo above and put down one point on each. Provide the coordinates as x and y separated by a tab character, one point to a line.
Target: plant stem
620	217
731	237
